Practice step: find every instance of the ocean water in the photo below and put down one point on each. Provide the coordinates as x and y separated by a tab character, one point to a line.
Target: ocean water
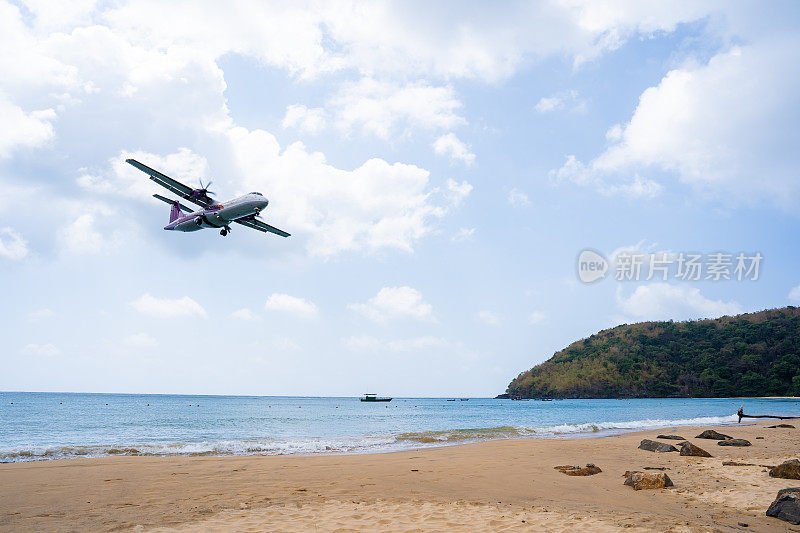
38	426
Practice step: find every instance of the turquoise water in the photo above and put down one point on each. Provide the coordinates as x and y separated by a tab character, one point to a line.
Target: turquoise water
37	426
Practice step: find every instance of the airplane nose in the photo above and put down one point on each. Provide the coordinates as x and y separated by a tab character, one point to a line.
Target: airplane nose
264	204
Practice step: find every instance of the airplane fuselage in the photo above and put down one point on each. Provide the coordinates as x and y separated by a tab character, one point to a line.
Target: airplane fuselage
220	215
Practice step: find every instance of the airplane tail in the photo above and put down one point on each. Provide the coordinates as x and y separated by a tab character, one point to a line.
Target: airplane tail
175	212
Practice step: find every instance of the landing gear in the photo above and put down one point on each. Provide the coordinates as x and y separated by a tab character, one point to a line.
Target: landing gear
224	231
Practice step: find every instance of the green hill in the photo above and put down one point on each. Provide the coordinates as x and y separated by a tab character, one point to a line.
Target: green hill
755	354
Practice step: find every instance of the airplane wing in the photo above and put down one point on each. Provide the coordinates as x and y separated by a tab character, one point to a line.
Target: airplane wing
171	185
171	202
253	222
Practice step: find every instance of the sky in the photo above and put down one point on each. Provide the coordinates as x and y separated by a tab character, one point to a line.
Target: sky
441	168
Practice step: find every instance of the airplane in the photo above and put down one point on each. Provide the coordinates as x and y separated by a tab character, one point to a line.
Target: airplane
243	210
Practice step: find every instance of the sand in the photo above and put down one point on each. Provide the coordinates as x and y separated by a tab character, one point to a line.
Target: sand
507	485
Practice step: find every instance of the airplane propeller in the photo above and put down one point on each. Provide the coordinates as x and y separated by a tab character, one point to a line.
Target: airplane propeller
203	190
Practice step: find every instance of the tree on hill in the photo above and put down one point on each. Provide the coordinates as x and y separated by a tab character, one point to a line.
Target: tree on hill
754	354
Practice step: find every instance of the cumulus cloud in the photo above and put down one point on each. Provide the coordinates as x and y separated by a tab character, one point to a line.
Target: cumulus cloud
794	294
12	245
451	146
518	198
537	317
457	192
564	100
720	127
22	129
81	237
309	120
578	173
395	302
377	205
168	308
488	317
47	350
292	305
141	340
463	234
244	314
386	109
664	301
40	314
120	178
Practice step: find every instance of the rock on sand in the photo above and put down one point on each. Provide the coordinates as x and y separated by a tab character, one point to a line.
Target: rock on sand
714	435
786	470
786	506
687	448
734	442
640	480
653	446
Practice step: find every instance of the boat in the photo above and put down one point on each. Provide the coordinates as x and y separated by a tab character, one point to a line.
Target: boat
374	398
464	399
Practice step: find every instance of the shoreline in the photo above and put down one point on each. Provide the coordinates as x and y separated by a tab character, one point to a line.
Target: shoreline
448	483
422	446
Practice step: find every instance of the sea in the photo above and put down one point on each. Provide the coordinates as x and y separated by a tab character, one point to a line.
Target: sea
42	426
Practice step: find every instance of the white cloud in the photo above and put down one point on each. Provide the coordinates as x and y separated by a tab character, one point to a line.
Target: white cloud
794	294
568	100
125	180
292	305
451	146
47	350
309	120
457	192
537	317
518	198
588	176
244	314
377	205
285	344
168	308
488	317
663	301
81	237
40	314
720	127
365	343
141	340
463	234
22	129
395	302
387	109
12	245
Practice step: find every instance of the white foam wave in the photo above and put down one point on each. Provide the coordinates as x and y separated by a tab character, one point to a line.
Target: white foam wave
356	444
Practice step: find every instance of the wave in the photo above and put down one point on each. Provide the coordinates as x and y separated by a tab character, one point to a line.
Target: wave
355	444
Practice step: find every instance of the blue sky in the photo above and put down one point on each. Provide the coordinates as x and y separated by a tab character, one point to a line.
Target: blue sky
440	170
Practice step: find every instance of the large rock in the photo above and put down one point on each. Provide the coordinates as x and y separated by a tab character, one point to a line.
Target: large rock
734	442
670	437
687	448
786	506
781	426
588	470
711	434
786	470
654	446
641	480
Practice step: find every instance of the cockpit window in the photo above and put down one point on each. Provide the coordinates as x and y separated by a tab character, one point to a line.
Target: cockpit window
256	193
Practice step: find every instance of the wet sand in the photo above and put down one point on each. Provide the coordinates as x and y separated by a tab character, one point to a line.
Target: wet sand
507	485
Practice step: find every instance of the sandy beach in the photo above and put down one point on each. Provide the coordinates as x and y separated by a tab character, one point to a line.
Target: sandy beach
504	485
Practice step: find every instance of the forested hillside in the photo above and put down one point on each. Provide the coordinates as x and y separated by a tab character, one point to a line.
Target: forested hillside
755	354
